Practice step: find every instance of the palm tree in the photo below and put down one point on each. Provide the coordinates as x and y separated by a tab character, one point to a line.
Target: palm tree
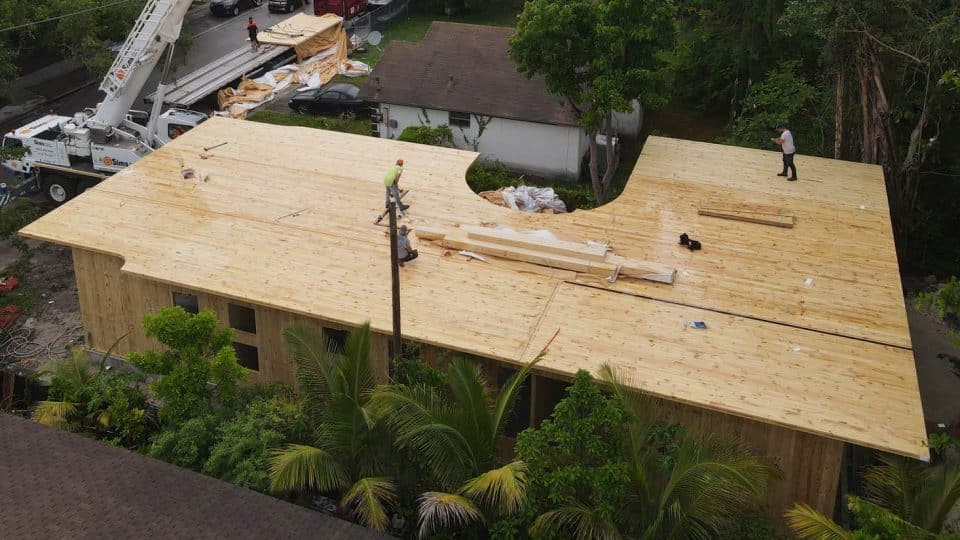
905	498
704	483
68	380
107	404
350	453
455	429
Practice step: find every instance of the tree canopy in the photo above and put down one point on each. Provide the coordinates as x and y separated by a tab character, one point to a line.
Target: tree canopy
82	29
599	56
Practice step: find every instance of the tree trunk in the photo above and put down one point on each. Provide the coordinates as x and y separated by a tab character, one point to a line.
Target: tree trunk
594	169
868	149
613	157
838	116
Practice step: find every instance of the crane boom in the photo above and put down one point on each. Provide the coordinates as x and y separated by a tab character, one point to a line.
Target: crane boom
157	26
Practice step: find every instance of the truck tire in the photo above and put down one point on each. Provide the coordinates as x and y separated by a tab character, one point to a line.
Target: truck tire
58	189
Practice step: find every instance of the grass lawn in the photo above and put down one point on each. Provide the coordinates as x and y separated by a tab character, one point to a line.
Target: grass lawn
357	126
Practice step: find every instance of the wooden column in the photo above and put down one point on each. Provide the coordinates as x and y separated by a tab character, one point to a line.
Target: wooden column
380	357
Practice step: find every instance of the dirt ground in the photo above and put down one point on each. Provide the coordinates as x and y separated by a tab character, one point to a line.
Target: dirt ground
939	385
48	328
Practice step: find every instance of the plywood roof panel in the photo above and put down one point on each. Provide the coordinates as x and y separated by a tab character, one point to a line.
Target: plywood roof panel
807	327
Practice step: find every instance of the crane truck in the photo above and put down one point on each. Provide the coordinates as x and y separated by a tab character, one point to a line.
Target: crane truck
65	155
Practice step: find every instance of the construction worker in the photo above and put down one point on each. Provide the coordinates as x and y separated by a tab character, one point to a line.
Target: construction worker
252	32
785	140
392	183
404	253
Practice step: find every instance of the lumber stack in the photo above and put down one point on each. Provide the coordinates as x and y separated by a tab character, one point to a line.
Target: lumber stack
574	256
751	213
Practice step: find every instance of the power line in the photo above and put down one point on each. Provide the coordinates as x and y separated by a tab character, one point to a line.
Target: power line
58	17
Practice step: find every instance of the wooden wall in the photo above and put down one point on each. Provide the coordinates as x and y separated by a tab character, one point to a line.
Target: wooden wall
809	464
113	303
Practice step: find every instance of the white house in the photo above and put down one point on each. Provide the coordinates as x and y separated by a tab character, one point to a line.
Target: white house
459	75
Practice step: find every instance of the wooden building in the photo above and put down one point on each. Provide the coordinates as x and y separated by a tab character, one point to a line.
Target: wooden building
806	345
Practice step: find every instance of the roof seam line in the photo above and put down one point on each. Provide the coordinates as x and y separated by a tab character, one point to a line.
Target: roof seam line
735	314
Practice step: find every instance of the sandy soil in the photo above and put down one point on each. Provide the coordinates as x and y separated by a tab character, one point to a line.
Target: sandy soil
53	325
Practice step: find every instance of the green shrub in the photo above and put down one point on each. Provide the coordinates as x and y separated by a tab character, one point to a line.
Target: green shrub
244	443
198	352
438	136
945	300
187	444
97	401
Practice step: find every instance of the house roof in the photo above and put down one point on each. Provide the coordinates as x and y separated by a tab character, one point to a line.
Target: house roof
806	326
465	68
60	485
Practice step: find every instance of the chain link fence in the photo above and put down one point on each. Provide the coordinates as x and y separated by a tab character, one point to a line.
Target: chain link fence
377	18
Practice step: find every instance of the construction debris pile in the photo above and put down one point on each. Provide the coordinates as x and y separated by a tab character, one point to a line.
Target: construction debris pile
527	199
321	57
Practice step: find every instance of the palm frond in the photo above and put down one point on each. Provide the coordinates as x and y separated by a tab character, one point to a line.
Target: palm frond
640	407
577	521
297	467
54	413
348	431
895	484
936	499
440	511
808	524
103	418
711	480
502	490
355	368
369	498
423	421
472	398
507	397
316	373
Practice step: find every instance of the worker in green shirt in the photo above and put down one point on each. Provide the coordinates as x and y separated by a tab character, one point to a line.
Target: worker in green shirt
392	182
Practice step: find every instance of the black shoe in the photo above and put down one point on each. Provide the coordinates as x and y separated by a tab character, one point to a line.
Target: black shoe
792	179
781	174
404	207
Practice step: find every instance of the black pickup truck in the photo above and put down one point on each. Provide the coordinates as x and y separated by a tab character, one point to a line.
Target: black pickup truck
285	6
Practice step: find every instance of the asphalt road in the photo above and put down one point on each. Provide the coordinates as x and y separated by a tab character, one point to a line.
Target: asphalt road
213	37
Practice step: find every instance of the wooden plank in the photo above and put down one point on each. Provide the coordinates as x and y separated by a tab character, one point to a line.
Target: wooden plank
752	213
517	238
457	239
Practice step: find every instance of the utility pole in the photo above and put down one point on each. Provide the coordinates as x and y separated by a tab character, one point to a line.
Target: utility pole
395	278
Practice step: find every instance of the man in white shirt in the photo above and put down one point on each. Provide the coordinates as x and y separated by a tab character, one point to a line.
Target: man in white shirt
785	140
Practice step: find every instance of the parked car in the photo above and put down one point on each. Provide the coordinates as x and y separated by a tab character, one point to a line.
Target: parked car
233	8
337	98
284	6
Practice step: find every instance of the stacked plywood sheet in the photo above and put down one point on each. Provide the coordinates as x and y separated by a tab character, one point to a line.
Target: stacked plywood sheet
587	258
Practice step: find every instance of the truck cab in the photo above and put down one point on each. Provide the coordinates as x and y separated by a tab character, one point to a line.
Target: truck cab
61	158
347	9
176	122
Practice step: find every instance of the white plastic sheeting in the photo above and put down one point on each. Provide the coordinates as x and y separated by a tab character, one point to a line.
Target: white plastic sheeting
532	199
354	68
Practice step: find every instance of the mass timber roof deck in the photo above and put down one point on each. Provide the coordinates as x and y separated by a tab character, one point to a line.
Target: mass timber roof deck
806	325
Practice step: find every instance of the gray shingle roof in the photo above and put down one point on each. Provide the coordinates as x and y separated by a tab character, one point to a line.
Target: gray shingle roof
465	68
55	484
